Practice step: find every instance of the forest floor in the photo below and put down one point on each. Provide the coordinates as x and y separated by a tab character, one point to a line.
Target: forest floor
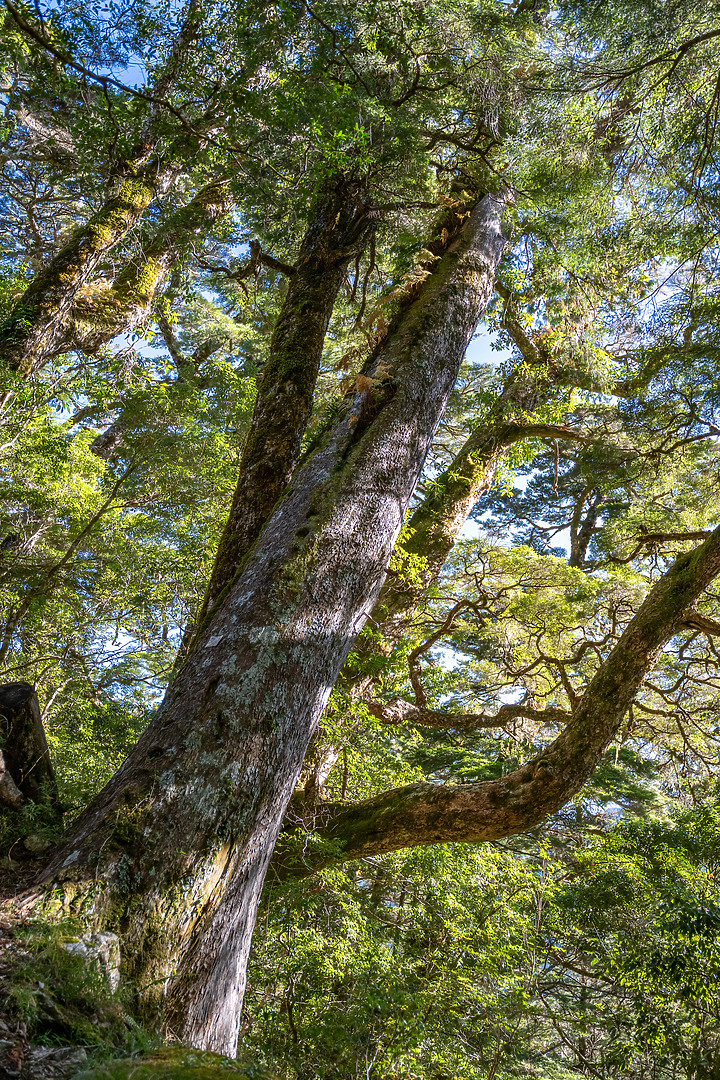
64	1011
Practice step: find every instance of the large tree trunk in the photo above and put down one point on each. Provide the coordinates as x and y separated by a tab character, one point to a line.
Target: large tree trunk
182	835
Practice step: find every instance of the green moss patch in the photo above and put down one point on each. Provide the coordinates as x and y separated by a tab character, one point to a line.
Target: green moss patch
175	1063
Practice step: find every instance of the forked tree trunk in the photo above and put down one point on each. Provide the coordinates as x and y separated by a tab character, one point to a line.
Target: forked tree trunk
341	225
182	835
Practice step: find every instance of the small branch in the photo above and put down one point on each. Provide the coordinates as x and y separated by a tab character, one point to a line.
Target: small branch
257	258
414	656
399	711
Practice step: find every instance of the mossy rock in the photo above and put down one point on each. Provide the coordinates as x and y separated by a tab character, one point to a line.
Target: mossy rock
174	1063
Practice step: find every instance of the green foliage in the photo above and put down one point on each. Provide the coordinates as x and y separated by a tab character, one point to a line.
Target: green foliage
539	961
175	1063
386	962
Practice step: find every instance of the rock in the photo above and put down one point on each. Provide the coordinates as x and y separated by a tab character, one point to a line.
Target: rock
36	844
52	1062
102	949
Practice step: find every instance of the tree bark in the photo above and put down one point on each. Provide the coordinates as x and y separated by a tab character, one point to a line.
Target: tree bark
25	750
182	834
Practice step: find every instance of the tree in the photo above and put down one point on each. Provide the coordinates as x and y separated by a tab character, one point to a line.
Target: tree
182	835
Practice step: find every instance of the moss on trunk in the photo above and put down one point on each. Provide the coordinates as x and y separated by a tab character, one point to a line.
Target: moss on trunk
34	331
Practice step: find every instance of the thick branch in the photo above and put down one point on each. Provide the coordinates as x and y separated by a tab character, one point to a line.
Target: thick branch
429	814
36	328
134	291
582	529
708	626
434	526
649	538
340	228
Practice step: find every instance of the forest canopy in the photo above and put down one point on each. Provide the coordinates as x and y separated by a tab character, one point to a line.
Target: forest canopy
360	533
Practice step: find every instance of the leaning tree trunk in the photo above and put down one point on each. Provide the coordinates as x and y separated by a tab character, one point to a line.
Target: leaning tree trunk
182	835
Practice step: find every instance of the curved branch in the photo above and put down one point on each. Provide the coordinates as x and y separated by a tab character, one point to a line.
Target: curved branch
658	538
257	258
424	813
